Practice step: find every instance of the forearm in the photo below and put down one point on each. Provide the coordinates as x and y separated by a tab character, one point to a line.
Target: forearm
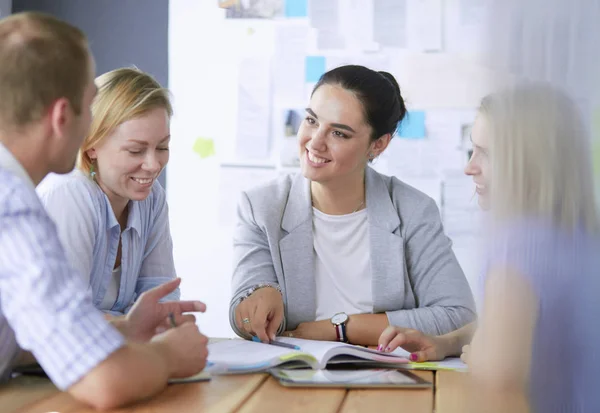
134	372
433	320
365	329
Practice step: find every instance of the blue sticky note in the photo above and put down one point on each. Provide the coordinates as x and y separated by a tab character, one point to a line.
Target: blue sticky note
315	67
296	8
412	126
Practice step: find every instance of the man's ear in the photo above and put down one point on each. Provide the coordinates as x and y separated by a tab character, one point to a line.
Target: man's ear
60	114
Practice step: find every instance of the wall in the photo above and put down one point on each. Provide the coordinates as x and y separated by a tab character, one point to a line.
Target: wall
121	32
205	55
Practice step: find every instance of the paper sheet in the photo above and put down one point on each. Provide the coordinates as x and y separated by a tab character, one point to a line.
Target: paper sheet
291	42
424	22
452	364
254	109
389	23
466	26
325	17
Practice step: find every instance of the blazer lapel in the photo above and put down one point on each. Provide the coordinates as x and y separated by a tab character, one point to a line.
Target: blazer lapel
387	246
297	257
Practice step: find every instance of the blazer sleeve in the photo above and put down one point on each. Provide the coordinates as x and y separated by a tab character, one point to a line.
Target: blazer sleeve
253	263
444	301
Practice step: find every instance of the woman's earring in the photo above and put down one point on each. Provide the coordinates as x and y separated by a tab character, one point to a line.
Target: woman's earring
92	170
371	156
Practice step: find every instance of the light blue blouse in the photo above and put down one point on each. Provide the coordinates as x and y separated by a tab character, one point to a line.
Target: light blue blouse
90	232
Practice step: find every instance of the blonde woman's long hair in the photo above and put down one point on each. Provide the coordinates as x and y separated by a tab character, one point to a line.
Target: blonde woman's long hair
123	94
540	157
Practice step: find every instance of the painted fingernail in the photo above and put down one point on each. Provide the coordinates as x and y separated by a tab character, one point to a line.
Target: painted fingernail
380	348
387	349
413	357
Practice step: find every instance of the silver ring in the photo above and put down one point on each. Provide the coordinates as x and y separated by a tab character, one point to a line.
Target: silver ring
246	320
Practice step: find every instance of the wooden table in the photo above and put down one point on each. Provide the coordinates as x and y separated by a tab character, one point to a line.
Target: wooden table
223	394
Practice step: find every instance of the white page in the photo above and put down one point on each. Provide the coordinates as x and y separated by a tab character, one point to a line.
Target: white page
389	23
325	17
244	353
320	348
356	25
291	43
254	109
451	363
424	22
466	26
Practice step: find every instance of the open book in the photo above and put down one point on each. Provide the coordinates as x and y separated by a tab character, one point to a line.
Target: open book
242	356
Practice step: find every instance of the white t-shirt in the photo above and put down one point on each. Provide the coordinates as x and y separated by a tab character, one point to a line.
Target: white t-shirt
112	291
342	264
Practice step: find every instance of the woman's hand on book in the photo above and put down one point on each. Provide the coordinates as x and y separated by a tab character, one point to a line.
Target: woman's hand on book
421	346
260	314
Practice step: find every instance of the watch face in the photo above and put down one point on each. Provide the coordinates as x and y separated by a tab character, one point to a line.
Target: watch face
339	318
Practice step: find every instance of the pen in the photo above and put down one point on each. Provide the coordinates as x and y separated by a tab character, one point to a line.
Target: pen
277	343
172	320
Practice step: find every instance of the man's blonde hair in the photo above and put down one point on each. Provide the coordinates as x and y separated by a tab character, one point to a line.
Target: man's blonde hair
123	94
42	59
540	157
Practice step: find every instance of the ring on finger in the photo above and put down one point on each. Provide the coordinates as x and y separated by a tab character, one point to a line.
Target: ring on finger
246	320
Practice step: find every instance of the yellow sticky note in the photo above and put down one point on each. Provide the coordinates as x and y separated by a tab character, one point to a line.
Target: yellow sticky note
204	147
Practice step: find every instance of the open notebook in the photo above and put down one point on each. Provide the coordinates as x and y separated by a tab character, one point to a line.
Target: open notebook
241	356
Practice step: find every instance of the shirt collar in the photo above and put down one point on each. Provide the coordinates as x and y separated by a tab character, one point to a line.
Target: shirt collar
133	220
10	163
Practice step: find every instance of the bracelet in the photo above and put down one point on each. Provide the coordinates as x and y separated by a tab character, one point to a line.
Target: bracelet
252	289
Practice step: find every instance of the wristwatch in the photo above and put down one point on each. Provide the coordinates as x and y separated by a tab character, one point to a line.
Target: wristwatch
339	321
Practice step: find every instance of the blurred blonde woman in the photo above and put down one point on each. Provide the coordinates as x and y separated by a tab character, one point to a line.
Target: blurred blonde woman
538	331
111	212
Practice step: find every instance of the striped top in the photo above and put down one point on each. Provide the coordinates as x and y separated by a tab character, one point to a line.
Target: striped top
563	269
90	234
44	306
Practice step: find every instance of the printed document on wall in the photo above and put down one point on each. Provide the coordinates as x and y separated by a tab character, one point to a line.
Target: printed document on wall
291	42
325	17
466	25
389	23
254	107
424	24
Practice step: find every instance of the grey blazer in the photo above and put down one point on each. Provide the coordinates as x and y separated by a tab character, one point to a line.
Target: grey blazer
417	280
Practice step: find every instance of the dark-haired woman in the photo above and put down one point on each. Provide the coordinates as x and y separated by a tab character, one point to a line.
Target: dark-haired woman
339	252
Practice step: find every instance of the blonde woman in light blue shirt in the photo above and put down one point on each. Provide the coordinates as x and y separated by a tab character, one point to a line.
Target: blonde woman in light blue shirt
111	212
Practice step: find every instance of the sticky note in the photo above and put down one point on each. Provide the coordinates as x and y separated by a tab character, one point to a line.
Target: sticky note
412	126
204	147
315	67
296	8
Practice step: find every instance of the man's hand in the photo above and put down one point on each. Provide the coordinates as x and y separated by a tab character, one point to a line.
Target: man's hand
148	316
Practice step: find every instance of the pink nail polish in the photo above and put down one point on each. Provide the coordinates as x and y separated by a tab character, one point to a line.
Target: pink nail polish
413	357
380	348
387	349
